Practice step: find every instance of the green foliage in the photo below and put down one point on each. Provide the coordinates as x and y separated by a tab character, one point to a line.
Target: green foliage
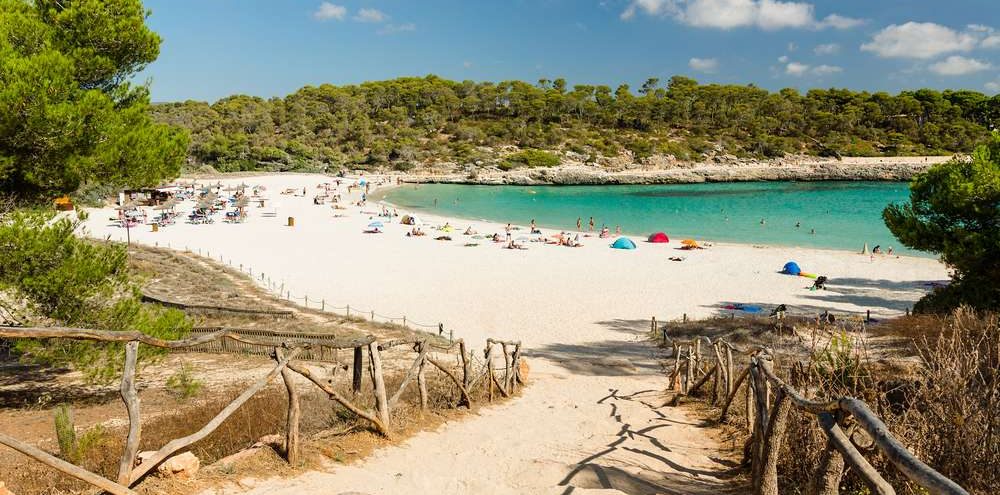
438	119
183	383
78	282
839	365
954	210
64	67
531	158
75	448
66	432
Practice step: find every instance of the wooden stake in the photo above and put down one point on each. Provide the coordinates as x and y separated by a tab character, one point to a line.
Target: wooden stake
131	399
772	443
359	374
381	402
422	380
294	415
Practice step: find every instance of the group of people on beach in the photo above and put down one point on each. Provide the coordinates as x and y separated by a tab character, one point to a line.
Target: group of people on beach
604	233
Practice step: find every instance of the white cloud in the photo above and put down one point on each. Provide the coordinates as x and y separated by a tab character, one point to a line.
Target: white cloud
773	15
796	69
921	40
836	21
991	41
467	64
397	28
728	14
327	11
827	49
825	70
783	59
707	65
993	86
957	65
370	15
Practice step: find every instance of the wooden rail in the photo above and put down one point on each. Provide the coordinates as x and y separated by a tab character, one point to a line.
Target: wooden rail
286	349
207	308
770	399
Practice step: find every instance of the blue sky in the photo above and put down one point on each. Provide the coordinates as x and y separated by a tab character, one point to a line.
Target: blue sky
215	48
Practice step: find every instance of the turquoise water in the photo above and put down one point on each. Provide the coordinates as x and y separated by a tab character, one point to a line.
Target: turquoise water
844	215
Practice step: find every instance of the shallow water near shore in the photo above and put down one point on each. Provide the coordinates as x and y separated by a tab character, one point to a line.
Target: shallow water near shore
843	215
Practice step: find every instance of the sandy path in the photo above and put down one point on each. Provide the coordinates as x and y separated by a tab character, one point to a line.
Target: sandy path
575	309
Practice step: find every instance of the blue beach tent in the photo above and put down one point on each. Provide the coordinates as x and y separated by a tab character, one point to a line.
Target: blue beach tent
791	268
623	243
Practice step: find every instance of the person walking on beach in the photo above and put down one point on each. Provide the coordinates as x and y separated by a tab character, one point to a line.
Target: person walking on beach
508	229
579	223
591	224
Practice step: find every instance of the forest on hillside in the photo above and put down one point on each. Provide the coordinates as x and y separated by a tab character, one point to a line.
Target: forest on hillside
411	122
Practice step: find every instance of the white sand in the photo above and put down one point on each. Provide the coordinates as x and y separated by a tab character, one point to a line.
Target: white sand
572	307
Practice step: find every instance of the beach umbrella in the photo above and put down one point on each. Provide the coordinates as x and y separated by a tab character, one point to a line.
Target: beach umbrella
523	238
375	225
691	243
659	238
623	243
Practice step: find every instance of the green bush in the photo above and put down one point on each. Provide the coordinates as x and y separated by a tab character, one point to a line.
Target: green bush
78	282
66	432
530	158
183	383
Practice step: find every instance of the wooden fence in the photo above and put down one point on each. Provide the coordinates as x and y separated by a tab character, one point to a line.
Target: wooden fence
768	402
287	352
205	308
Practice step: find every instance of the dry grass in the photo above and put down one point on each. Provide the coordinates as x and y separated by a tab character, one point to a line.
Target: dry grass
331	434
941	405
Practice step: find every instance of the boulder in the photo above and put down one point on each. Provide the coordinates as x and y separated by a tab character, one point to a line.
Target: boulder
185	465
523	369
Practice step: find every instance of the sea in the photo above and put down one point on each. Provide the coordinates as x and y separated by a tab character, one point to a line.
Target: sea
830	215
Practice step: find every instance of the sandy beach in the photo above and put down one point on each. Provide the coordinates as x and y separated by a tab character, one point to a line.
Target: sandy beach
581	312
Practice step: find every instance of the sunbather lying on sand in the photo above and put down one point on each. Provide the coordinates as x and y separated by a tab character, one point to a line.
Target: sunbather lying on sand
469	231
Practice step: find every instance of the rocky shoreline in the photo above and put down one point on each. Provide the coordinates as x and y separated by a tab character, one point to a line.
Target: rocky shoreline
860	170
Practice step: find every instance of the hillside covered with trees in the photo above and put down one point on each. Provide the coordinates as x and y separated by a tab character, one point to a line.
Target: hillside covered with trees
409	122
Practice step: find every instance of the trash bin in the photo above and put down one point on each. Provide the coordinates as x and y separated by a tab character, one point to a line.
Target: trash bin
156	227
291	221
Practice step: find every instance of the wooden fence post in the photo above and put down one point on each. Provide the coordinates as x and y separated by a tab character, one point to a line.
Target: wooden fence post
489	367
760	385
729	371
697	357
131	399
829	471
359	374
771	448
507	375
381	401
294	415
689	379
422	380
466	365
676	378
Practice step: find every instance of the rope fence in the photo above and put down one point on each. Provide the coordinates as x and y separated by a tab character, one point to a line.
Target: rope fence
278	289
